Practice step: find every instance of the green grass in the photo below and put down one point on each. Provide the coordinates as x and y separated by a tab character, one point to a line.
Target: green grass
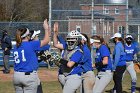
54	86
6	87
51	87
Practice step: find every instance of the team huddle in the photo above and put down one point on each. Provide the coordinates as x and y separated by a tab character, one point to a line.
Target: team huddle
76	67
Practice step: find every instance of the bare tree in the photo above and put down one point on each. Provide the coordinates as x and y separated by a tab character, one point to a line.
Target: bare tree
24	10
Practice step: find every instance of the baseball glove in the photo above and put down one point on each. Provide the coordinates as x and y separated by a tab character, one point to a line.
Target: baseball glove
43	56
137	67
55	58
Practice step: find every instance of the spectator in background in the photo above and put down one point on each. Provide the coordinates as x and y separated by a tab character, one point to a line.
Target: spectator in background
6	46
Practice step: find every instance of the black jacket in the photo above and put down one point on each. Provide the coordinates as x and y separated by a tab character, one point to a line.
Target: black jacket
6	43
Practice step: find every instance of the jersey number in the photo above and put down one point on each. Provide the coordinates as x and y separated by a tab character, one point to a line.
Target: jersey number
16	56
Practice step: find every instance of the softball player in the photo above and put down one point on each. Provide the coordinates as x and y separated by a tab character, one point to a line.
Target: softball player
35	37
130	50
75	56
25	69
71	67
61	45
88	74
102	63
119	62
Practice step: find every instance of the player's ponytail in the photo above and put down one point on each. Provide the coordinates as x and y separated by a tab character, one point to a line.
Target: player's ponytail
18	38
21	33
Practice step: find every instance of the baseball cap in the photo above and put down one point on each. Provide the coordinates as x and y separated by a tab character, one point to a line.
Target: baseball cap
35	33
116	35
129	36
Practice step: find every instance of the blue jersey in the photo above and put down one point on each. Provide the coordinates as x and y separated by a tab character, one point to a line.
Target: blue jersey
136	44
46	47
102	52
87	61
119	55
63	42
77	58
130	52
25	56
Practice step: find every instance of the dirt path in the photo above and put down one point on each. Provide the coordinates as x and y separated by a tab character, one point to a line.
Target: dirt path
44	75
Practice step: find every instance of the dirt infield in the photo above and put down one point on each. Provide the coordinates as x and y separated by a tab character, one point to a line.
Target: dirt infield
44	75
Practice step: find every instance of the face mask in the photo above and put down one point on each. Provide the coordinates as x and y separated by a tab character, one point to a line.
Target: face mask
128	42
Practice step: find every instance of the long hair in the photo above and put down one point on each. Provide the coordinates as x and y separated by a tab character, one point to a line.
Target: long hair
87	42
19	33
102	41
121	40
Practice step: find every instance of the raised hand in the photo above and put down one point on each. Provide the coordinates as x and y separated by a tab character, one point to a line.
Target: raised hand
55	29
46	25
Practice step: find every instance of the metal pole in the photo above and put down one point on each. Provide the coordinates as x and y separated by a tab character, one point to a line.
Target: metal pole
138	33
92	31
50	12
127	15
50	18
92	19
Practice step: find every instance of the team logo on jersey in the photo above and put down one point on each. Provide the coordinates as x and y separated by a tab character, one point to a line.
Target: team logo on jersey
129	51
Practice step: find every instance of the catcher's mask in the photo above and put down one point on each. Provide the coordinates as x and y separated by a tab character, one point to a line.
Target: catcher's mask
73	39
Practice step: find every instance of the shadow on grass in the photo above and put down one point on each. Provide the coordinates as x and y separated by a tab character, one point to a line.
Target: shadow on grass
138	89
110	91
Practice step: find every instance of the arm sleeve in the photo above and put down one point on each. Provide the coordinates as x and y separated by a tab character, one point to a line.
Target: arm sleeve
86	54
62	41
117	55
8	41
105	51
136	50
76	57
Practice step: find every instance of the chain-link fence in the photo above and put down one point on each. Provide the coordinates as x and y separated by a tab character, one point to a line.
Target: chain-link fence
101	17
12	26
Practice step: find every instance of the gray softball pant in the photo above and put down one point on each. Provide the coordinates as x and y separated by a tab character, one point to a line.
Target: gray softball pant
102	80
25	83
62	79
73	82
131	70
88	80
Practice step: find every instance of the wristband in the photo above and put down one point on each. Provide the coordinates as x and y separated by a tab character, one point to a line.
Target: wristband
63	61
100	64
